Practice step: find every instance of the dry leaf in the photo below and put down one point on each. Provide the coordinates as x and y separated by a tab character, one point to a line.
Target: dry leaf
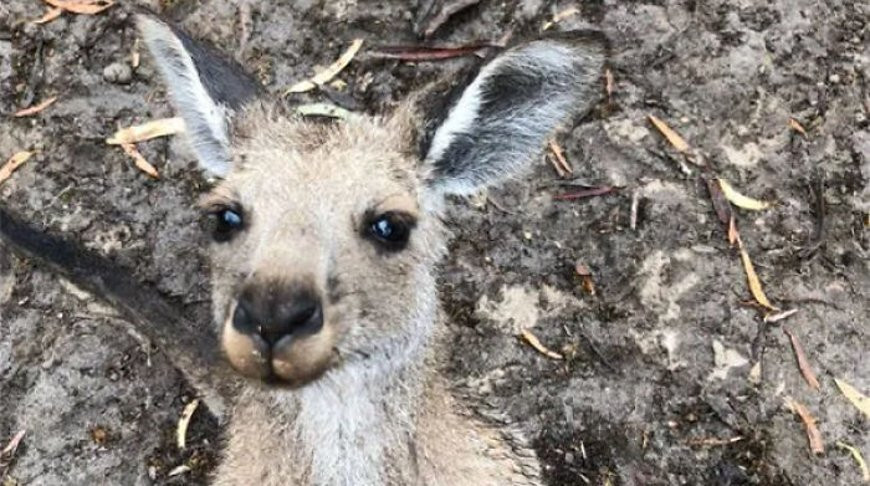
536	343
803	363
323	109
797	127
778	316
85	7
857	398
147	131
813	434
12	446
50	15
673	137
14	163
563	168
733	235
752	278
139	160
865	471
330	72
184	423
740	200
564	14
35	108
714	441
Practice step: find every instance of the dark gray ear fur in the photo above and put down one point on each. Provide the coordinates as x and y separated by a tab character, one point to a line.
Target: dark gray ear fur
205	87
505	115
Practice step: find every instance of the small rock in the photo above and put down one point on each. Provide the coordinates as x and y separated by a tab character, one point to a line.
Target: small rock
118	73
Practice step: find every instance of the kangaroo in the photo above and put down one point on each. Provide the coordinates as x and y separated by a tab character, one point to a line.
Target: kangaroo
326	240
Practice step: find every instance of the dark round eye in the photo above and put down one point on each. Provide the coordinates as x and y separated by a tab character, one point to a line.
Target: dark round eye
225	222
391	229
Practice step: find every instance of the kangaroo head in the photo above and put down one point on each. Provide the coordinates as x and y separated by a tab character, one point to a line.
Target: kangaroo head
325	236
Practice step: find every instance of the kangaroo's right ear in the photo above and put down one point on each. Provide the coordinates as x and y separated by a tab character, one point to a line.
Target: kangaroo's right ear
205	87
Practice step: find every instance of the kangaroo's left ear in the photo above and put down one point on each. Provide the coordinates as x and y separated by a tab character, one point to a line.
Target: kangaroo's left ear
507	113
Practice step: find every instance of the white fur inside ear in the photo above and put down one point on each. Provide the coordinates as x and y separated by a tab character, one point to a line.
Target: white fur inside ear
206	120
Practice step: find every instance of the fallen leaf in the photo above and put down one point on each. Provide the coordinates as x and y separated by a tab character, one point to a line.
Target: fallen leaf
85	7
673	137
853	395
35	108
423	53
146	131
797	127
732	231
564	14
563	168
813	435
184	423
865	471
50	15
536	343
778	316
803	363
323	109
720	202
330	72
752	278
179	470
139	160
740	200
714	441
592	191
13	443
14	163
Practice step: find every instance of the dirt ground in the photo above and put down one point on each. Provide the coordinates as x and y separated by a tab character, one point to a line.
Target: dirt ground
664	356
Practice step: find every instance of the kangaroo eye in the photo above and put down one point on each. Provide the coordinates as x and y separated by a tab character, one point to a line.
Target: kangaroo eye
225	222
391	230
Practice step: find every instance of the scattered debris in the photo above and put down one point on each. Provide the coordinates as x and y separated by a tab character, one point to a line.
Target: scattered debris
591	192
779	316
146	131
14	163
84	7
184	423
713	441
433	20
853	395
330	72
99	435
35	108
49	15
323	109
720	202
797	127
564	14
733	235
563	168
139	160
752	278
8	454
813	434
608	84
586	278
423	53
856	454
179	470
635	207
536	343
803	363
673	137
740	200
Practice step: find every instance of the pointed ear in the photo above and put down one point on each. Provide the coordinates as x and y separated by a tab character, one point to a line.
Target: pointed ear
205	88
507	113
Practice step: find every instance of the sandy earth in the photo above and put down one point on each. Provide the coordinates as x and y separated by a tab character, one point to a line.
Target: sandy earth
660	359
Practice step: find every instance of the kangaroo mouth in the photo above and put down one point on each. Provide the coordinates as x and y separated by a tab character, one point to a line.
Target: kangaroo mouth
291	361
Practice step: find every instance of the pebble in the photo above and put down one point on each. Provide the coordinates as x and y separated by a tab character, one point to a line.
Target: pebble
118	73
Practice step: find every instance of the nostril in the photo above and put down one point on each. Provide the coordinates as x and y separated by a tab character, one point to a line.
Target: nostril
300	316
242	319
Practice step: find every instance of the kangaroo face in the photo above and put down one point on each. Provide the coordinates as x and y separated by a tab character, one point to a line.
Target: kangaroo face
307	279
325	237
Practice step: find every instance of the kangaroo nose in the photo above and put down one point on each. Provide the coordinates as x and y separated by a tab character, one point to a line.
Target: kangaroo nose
274	312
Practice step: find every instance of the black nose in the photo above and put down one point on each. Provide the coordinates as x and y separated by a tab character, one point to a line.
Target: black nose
274	311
